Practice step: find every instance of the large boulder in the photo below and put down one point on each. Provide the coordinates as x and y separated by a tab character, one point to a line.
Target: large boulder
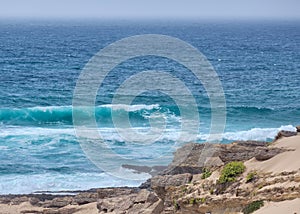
285	134
160	184
171	180
262	154
190	158
145	196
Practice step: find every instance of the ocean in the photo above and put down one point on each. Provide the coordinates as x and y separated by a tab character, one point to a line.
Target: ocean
258	64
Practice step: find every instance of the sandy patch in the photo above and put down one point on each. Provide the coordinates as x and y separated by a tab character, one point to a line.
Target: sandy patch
285	162
90	208
286	207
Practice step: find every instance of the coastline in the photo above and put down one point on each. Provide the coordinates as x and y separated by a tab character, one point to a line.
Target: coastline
181	188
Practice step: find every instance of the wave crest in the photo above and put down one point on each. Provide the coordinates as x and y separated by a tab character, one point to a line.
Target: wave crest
63	114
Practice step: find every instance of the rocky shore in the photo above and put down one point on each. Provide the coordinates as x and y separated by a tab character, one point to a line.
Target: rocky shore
240	177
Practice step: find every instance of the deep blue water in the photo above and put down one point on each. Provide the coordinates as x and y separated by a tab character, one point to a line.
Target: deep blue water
258	64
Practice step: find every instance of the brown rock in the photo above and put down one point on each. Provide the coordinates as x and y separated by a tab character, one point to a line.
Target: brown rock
171	180
145	196
19	200
5	200
116	204
263	154
147	208
50	211
110	199
285	134
191	158
238	151
31	212
298	128
146	184
157	207
141	202
85	198
138	208
160	183
58	202
34	201
213	161
113	192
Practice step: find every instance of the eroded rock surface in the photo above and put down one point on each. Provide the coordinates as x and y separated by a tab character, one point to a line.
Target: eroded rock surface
142	202
193	157
285	134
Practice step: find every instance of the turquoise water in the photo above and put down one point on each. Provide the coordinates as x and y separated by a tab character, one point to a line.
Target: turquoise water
40	62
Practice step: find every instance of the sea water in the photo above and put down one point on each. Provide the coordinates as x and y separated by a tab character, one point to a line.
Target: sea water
258	64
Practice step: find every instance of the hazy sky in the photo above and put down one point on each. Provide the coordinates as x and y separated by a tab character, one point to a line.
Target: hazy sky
269	9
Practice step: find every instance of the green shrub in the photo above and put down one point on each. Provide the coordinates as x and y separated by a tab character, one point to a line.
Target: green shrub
202	200
205	173
250	176
176	205
231	171
192	201
255	205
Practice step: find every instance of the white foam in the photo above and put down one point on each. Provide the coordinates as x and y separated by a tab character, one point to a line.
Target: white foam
34	131
47	108
169	134
131	108
81	181
112	106
260	134
25	184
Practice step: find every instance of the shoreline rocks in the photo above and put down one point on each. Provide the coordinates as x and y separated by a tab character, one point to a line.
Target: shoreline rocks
144	201
179	187
285	134
192	158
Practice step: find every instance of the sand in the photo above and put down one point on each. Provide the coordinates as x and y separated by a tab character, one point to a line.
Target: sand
90	208
283	207
14	209
285	162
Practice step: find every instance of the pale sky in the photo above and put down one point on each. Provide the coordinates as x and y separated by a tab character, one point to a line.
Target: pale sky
266	9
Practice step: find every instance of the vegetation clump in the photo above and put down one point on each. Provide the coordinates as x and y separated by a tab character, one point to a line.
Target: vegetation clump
251	176
206	173
255	205
231	171
176	205
202	200
197	200
192	201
